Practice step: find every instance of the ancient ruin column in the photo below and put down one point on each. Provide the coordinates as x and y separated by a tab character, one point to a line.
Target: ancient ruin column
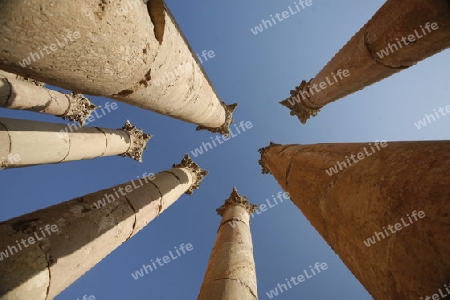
395	194
57	245
231	269
125	50
26	143
398	36
17	92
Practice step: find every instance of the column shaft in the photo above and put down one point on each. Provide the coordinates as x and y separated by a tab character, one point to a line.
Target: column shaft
88	229
377	51
153	67
18	93
231	269
37	143
351	205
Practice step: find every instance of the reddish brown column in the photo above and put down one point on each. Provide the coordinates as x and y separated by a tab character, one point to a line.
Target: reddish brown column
231	269
394	183
357	64
49	249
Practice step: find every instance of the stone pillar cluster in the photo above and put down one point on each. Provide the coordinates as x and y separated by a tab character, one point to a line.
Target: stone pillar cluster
231	272
49	249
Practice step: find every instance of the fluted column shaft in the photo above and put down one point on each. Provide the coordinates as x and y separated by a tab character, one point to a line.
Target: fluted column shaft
377	191
87	231
394	21
231	274
153	67
19	93
38	143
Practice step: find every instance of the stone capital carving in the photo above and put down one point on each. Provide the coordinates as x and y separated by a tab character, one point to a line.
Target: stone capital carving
80	108
236	199
225	128
138	141
263	151
297	104
195	169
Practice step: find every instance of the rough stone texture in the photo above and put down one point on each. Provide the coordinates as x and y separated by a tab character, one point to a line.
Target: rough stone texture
117	56
195	169
394	20
44	143
348	207
19	93
231	271
85	236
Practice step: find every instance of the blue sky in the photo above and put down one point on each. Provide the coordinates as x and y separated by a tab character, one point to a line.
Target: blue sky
256	71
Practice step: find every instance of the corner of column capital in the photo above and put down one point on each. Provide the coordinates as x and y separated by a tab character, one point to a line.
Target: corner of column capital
138	141
225	128
80	108
261	161
297	106
195	169
236	199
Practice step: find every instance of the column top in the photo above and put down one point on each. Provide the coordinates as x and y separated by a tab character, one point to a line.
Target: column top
225	128
261	161
297	106
236	199
138	141
195	169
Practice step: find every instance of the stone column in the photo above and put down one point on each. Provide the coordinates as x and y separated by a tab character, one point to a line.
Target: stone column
231	269
152	67
26	143
16	92
408	32
404	183
84	232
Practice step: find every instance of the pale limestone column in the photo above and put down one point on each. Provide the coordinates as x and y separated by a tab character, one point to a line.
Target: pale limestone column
425	22
85	234
152	66
26	143
17	92
388	186
231	273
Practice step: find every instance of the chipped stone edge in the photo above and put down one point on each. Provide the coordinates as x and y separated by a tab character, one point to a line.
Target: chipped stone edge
236	199
138	141
195	169
263	151
225	128
299	109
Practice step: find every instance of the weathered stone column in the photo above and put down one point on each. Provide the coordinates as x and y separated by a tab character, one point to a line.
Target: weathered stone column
84	234
152	65
231	269
364	200
398	36
17	92
37	143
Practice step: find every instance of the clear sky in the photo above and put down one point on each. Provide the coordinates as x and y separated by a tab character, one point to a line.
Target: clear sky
256	71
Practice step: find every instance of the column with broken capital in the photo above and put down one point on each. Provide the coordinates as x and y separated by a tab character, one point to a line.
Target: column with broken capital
17	92
153	67
85	235
231	270
410	31
376	192
37	143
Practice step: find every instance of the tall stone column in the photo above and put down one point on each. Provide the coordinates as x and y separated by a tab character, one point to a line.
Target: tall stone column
26	143
60	243
17	92
153	66
231	269
398	36
395	194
